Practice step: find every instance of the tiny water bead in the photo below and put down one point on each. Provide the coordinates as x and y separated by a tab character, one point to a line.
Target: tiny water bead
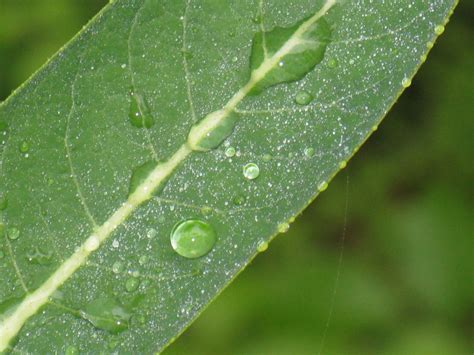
309	152
3	202
406	82
13	233
283	227
332	63
303	98
262	247
24	147
251	171
151	233
193	238
323	186
132	284
439	29
230	152
71	350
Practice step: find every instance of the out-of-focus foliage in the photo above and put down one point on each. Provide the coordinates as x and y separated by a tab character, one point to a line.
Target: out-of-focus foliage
405	282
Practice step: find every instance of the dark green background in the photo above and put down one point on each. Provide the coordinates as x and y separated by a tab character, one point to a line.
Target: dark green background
405	282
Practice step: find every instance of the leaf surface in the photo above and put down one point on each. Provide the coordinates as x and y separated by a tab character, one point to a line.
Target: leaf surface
160	112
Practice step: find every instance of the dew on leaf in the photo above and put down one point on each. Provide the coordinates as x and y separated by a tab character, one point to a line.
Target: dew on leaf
342	164
24	147
71	350
406	82
251	171
92	243
139	113
239	200
13	233
267	157
39	256
193	238
322	186
309	152
132	284
332	63
303	98
143	260
139	175
439	29
230	152
107	314
117	267
151	233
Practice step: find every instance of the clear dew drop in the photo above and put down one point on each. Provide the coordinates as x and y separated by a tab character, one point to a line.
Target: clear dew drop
92	243
251	171
309	152
139	113
406	82
262	246
13	233
239	200
332	63
3	202
323	186
303	98
230	152
117	267
24	147
132	284
439	30
283	227
266	158
71	350
193	238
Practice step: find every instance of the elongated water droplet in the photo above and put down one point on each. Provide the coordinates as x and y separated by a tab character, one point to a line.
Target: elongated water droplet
283	227
322	186
193	238
13	233
342	164
139	113
92	243
39	256
251	171
309	152
139	175
303	98
307	52
107	314
262	247
132	284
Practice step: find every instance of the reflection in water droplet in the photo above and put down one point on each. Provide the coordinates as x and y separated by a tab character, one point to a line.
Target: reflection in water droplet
132	284
193	238
24	147
322	186
439	29
406	82
230	152
139	113
262	246
309	152
107	314
283	227
303	98
251	171
13	233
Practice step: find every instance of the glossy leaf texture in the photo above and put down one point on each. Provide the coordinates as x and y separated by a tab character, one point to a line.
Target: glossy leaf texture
97	170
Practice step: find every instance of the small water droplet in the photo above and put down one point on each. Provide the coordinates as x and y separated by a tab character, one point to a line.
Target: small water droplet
262	247
24	147
429	45
439	29
251	171
266	158
92	243
322	186
332	63
283	227
303	98
115	243
374	128
117	267
139	113
206	210
2	254
71	350
139	175
132	284
13	233
193	238
123	66
239	200
406	82
342	164
107	314
151	233
143	260
309	152
230	152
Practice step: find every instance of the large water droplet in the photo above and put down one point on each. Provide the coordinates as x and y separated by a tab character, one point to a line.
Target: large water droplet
139	114
139	175
193	238
303	98
107	314
301	59
251	171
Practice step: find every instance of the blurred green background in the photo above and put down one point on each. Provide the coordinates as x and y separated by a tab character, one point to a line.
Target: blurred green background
405	283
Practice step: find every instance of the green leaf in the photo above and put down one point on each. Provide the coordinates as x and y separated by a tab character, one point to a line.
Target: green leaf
239	143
